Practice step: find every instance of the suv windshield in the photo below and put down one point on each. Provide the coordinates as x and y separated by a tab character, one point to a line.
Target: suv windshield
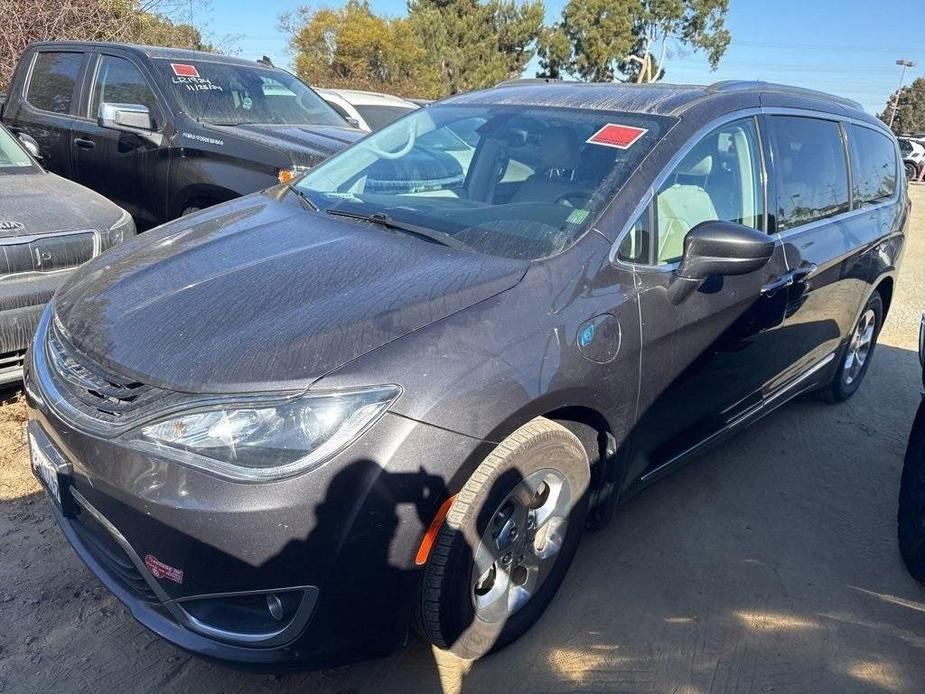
12	156
228	94
518	182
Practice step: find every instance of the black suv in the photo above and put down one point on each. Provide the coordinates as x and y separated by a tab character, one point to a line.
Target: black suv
162	131
404	384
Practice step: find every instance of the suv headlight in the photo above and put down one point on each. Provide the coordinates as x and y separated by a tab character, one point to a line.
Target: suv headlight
258	441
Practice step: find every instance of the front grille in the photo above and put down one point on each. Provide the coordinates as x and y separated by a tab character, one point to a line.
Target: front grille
111	556
93	390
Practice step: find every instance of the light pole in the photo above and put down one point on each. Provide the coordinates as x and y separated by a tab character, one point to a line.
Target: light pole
904	64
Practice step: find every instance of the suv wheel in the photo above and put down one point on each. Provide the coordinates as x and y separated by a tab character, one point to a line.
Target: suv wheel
911	517
912	171
858	353
507	541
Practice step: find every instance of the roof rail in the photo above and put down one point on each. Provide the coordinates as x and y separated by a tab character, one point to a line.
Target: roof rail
758	85
530	80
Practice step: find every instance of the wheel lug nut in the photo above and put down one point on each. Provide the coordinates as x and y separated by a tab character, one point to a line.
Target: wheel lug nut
513	533
506	559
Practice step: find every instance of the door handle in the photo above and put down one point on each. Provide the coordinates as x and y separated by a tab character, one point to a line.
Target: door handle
789	279
84	143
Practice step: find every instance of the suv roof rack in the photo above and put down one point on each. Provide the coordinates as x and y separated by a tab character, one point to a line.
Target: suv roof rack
530	80
757	85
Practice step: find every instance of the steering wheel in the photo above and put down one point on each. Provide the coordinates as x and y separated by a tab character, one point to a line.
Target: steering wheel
569	198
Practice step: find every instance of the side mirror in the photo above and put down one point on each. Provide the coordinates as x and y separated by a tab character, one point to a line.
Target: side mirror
30	145
718	248
129	118
352	121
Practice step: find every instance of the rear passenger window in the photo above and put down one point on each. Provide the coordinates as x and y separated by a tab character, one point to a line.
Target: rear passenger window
118	81
719	179
812	171
53	81
874	168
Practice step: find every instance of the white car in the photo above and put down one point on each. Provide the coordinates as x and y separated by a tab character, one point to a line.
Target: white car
913	151
367	110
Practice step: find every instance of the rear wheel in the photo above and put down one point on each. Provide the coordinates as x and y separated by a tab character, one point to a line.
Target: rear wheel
912	172
858	353
507	541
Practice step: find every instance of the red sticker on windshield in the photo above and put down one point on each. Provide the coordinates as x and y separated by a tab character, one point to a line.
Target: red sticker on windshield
619	136
182	70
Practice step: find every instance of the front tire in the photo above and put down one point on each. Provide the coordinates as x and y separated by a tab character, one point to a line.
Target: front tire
858	353
507	541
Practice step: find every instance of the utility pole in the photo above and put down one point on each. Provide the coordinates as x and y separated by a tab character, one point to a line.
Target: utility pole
904	64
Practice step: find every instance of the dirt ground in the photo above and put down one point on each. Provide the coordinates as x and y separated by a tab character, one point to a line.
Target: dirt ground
770	564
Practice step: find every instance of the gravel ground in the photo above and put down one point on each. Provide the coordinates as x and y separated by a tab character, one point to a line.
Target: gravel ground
770	564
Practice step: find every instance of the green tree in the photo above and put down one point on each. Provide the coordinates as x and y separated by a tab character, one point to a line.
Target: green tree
910	111
630	39
352	48
475	44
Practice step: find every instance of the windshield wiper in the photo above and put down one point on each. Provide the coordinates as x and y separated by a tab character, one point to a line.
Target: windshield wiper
303	197
383	220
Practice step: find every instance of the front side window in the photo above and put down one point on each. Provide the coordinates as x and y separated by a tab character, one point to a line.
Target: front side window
232	94
118	81
378	116
811	169
873	166
53	81
513	181
719	179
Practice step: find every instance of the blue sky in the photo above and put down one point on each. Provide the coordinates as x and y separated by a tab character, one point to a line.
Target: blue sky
848	47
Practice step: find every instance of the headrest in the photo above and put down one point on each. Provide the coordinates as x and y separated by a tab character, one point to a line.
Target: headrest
702	168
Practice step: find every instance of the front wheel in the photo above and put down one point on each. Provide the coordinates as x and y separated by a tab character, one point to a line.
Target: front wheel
858	353
507	541
912	172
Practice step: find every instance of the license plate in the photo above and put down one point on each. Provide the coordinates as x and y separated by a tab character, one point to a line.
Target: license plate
44	469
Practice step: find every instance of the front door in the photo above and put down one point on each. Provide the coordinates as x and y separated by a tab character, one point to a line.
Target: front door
708	360
125	167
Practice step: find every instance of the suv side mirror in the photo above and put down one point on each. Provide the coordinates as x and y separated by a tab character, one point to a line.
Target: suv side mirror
30	145
129	118
719	248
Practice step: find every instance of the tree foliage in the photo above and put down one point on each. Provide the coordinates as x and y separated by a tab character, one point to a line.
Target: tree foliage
130	21
910	111
352	48
473	43
603	40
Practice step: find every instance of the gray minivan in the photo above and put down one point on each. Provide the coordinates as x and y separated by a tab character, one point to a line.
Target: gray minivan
396	391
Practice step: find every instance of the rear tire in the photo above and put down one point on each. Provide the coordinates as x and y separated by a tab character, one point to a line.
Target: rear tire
507	541
912	171
911	516
858	353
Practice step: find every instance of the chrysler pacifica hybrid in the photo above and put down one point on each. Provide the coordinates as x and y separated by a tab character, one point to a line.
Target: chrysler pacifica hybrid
394	392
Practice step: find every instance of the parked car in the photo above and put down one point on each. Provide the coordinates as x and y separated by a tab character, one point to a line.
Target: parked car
911	517
913	151
280	428
367	110
164	132
48	226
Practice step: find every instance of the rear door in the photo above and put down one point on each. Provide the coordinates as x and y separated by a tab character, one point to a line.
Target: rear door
49	101
125	167
823	239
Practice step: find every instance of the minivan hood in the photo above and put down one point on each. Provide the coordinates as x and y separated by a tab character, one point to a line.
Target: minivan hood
307	145
260	294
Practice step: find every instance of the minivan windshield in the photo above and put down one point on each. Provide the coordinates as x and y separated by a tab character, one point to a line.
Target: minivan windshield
513	181
13	159
232	94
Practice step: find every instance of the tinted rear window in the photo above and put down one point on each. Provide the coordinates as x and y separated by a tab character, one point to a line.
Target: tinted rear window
874	165
812	172
54	76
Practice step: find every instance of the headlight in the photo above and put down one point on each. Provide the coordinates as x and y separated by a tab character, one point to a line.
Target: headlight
255	441
123	228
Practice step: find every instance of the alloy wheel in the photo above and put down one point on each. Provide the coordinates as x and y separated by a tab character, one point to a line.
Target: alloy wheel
862	341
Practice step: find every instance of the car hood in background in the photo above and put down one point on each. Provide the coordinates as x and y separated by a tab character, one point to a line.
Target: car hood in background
307	145
260	294
42	203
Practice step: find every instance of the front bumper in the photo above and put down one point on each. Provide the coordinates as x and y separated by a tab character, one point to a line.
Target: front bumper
344	534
